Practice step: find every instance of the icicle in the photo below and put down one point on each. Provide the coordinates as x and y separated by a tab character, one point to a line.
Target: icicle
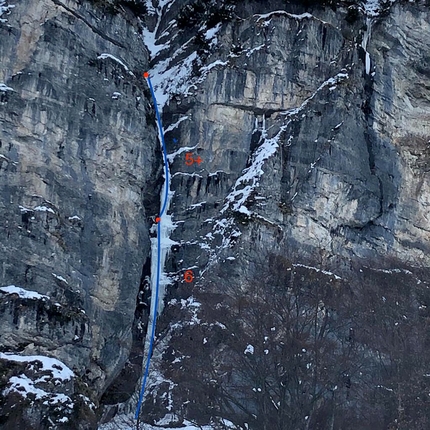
364	43
263	129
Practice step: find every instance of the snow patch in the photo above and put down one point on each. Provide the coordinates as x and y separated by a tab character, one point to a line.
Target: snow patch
282	12
60	278
210	34
5	9
105	55
257	48
173	155
196	205
127	422
168	80
4	87
325	272
23	294
209	67
24	386
44	209
58	369
74	218
249	350
250	179
150	41
176	124
150	37
372	7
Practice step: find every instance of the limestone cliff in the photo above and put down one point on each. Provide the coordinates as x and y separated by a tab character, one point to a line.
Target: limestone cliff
79	164
297	135
312	123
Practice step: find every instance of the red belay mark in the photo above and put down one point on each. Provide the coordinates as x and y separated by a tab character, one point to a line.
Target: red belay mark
188	276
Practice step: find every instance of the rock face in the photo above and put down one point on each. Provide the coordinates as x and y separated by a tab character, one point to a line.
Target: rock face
79	168
298	141
312	124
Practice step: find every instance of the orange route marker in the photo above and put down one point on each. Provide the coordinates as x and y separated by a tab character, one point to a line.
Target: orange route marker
188	276
158	219
145	75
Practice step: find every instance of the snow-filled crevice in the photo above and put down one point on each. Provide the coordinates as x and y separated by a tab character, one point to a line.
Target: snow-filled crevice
169	77
372	10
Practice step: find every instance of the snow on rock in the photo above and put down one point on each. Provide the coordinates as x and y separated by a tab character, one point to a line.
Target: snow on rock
209	67
5	10
74	218
337	79
244	210
105	55
174	74
127	422
191	302
4	87
40	208
44	209
181	150
257	48
41	374
60	278
246	184
150	37
268	16
211	35
25	210
176	124
150	41
25	387
372	7
197	205
249	350
168	79
193	307
282	12
325	272
58	369
250	178
225	228
23	294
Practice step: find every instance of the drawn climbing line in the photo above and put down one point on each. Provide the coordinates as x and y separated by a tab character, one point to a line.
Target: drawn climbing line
158	220
160	129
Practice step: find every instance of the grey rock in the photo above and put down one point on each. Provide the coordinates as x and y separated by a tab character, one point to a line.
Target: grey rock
344	185
79	168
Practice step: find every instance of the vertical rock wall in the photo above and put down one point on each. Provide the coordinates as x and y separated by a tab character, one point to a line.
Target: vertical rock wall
79	163
310	151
